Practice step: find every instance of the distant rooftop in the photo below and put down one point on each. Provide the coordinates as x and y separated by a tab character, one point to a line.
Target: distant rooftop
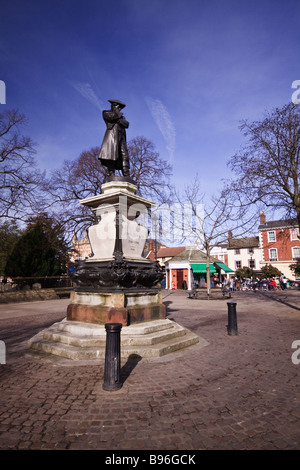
166	252
194	255
247	242
279	224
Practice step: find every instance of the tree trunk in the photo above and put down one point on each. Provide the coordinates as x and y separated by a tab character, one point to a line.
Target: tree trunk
208	276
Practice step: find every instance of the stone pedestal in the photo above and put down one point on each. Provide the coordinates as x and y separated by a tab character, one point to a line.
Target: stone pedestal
116	307
117	284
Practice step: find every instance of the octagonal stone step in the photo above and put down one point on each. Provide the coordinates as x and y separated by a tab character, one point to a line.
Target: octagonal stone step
83	341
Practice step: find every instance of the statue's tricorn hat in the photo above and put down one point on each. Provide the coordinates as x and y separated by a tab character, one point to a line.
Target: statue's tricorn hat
118	102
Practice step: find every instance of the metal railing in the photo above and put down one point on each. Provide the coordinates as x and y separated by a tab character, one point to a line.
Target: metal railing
26	283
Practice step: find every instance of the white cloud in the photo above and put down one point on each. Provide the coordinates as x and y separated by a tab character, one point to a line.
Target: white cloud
165	124
88	93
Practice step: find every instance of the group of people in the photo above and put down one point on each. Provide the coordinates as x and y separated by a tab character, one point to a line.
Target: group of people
231	283
263	284
273	284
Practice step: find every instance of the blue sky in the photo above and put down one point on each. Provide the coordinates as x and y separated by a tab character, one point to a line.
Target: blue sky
188	71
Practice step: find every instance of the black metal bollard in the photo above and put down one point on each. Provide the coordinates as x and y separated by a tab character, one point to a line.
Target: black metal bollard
232	320
112	357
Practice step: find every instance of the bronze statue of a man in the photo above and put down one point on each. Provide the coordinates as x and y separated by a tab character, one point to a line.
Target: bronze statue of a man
114	153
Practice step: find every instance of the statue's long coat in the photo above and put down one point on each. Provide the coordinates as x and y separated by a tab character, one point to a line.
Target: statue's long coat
114	134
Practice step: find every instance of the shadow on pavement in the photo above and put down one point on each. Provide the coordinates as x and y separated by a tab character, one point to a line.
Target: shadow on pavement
128	367
282	300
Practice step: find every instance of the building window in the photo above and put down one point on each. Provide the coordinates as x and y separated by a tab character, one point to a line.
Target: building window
294	233
273	254
237	252
238	264
272	236
296	252
251	263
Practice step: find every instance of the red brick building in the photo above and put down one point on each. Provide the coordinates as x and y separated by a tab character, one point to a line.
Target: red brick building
152	248
280	243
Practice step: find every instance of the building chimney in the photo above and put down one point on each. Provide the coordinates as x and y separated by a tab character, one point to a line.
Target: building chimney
262	217
229	234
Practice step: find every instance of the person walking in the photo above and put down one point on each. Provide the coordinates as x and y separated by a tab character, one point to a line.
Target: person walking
284	283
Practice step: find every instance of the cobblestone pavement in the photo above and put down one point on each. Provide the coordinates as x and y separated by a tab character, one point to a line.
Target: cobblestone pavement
238	392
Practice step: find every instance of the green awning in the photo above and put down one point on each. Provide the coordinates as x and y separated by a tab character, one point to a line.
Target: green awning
224	267
201	268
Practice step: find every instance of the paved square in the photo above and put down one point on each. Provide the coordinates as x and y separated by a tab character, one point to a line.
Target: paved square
238	392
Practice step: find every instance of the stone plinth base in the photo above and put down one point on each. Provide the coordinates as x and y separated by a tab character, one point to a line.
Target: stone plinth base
86	342
119	307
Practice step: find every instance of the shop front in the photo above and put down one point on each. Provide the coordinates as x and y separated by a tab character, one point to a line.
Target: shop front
190	273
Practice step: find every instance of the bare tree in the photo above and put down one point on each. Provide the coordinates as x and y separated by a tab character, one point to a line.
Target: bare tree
20	180
151	173
212	218
268	165
83	177
75	180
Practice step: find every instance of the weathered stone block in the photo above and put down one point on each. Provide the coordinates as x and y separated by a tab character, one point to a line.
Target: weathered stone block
97	314
124	307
